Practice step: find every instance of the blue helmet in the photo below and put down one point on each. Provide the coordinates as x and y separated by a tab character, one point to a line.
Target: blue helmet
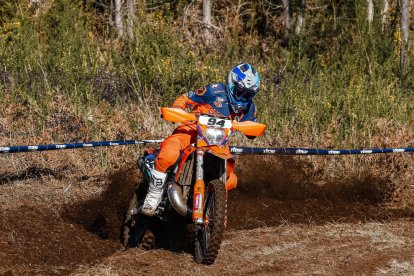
242	85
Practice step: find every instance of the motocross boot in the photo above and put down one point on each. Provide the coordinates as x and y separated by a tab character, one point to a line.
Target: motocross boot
154	193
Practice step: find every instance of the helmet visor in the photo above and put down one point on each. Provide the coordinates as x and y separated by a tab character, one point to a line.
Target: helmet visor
243	94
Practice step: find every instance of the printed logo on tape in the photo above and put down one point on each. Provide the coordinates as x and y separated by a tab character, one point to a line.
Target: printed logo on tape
271	151
236	150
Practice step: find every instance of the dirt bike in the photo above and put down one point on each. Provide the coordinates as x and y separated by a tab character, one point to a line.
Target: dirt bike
196	185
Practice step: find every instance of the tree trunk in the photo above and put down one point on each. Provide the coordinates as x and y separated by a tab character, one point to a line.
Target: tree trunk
131	17
286	15
404	26
301	16
118	18
384	14
207	21
370	15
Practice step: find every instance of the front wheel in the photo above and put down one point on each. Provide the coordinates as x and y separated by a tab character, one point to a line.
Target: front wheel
209	235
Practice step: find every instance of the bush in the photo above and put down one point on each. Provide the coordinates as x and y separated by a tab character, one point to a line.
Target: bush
332	80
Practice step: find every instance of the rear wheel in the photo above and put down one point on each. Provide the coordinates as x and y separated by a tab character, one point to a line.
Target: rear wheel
136	229
208	236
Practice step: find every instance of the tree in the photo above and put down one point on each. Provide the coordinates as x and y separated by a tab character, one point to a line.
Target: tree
286	15
119	18
384	13
301	16
370	14
207	20
131	17
404	27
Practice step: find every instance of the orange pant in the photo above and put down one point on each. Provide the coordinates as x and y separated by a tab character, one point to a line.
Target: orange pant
178	141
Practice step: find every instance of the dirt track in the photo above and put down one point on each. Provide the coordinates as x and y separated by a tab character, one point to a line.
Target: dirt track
281	221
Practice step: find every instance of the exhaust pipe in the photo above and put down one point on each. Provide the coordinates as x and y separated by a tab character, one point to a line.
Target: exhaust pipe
176	199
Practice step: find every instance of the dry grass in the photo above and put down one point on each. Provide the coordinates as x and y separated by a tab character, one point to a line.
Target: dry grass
61	210
396	267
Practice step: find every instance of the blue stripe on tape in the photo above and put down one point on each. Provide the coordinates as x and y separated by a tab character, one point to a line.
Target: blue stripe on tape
306	151
234	150
16	149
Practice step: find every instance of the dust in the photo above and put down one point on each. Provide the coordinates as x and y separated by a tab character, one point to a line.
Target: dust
287	190
270	192
103	214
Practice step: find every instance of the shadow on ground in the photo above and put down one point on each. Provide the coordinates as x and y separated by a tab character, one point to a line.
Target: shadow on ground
104	214
35	240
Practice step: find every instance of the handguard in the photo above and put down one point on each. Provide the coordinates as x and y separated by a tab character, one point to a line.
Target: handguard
249	128
177	115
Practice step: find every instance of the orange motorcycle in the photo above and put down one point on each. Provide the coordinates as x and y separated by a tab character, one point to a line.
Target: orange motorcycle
196	185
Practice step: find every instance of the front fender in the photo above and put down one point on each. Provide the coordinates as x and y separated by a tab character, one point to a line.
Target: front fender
223	153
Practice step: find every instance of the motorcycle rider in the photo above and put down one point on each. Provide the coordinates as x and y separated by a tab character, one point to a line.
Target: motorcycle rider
233	99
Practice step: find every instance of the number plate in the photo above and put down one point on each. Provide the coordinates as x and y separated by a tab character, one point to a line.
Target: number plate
214	122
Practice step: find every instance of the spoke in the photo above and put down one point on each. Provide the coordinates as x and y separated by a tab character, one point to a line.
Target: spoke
209	205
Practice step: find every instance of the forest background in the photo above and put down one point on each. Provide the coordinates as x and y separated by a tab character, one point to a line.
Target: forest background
335	74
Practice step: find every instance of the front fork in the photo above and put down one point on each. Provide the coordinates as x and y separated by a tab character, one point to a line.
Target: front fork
199	187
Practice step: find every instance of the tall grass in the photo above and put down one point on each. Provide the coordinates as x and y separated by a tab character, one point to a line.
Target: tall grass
332	82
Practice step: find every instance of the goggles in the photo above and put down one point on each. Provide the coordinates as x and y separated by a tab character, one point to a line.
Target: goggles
243	94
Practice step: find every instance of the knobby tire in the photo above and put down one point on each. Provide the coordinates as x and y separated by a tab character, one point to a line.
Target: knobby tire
135	230
207	240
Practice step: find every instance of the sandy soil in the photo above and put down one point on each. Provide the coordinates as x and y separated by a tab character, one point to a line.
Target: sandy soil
281	222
